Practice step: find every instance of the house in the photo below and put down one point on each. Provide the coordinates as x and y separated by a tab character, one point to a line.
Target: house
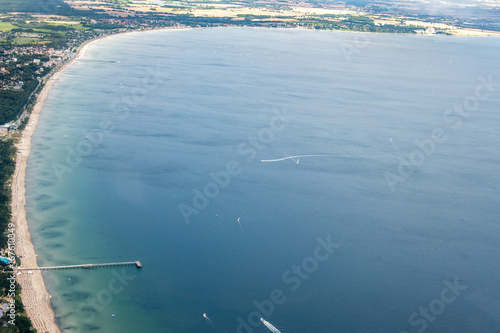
18	86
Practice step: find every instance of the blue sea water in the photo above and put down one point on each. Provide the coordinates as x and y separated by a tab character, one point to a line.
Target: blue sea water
406	190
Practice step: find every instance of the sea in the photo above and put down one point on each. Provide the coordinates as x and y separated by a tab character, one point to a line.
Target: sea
322	181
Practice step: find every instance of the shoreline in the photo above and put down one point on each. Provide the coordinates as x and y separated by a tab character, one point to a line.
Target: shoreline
34	294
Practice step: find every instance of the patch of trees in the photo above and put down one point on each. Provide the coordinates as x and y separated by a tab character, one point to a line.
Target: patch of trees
12	102
7	166
30	27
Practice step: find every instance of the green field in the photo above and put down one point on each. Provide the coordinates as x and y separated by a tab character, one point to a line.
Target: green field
26	41
6	26
73	26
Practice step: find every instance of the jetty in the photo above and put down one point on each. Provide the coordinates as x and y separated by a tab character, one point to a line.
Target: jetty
84	266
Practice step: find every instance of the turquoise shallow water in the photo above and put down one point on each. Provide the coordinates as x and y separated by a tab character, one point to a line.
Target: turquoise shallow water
177	125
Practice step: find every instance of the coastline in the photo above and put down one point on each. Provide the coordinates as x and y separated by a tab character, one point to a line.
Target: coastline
34	294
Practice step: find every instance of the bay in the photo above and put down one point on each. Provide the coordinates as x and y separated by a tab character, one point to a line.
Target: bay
150	147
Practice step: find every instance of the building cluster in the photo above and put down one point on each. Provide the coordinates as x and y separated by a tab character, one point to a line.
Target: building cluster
21	64
13	63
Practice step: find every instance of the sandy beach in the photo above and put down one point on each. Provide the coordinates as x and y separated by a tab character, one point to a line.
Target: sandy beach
34	293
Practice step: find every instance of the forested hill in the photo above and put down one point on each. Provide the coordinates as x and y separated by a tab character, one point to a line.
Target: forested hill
58	7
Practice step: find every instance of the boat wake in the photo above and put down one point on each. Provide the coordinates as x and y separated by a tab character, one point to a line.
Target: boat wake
207	319
270	326
294	157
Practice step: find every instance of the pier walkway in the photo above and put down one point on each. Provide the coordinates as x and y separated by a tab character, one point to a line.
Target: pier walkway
84	266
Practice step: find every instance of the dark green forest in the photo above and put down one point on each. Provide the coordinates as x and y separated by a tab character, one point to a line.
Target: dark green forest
12	102
7	165
22	324
57	7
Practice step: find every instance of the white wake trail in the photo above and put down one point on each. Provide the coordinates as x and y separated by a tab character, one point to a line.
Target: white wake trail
292	157
270	326
207	319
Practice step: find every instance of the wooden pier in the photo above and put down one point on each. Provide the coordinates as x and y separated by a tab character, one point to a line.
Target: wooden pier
84	266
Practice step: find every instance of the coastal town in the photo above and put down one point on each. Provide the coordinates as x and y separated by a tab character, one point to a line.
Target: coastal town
26	64
29	64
